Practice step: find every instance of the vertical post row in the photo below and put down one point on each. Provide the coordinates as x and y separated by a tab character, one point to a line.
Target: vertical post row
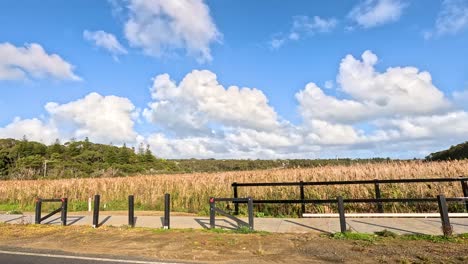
38	210
131	210
97	200
301	186
64	211
464	185
236	204
342	214
167	204
250	210
212	212
443	210
378	196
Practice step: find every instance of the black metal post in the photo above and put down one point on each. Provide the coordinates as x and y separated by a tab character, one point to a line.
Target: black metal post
212	212
250	210
378	196
97	200
341	211
236	205
464	185
167	210
301	186
131	211
443	210
38	210
64	211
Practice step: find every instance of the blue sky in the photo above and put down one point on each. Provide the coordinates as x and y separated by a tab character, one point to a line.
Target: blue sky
110	52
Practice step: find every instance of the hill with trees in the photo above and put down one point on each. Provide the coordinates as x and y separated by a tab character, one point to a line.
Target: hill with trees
23	159
457	152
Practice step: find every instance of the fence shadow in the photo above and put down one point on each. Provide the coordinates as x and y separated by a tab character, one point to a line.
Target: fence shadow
309	227
54	221
14	219
74	219
205	223
104	221
451	222
387	227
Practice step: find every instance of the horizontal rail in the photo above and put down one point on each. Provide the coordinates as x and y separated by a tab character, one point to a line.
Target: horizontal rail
52	200
387	215
325	201
237	200
255	184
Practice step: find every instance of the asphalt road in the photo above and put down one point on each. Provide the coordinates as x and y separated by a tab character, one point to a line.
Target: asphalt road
22	257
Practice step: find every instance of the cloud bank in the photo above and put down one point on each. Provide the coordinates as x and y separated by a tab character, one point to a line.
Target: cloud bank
398	111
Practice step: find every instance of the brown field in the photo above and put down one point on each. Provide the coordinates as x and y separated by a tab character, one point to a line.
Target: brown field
190	192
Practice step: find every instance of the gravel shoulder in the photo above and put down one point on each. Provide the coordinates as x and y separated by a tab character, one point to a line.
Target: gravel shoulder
201	246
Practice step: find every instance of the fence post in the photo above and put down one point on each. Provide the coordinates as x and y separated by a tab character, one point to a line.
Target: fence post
131	211
97	200
212	212
443	210
464	185
236	204
301	186
38	210
341	211
251	215
167	204
378	196
64	211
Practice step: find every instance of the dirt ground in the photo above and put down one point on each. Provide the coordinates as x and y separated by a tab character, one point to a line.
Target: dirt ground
221	247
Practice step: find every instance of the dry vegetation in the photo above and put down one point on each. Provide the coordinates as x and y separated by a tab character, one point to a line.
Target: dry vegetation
190	192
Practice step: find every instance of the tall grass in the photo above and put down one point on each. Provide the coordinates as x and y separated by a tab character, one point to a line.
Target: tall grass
190	192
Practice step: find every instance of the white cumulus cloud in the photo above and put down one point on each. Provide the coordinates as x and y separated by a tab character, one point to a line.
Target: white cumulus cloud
372	13
101	118
33	129
17	63
199	103
399	91
162	26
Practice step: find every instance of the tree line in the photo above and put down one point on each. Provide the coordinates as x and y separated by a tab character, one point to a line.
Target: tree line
456	152
23	159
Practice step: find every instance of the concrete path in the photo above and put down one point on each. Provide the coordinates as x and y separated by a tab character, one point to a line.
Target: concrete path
281	225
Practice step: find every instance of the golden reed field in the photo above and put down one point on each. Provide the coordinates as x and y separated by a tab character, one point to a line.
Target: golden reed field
190	192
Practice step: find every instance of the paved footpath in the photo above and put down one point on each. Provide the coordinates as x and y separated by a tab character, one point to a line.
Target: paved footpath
281	225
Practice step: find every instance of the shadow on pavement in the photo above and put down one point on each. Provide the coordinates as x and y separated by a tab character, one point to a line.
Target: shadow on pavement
388	227
309	227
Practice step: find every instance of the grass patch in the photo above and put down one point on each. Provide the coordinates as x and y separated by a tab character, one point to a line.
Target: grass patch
386	233
355	236
461	238
437	239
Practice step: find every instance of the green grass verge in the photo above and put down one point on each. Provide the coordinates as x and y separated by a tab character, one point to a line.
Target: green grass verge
385	234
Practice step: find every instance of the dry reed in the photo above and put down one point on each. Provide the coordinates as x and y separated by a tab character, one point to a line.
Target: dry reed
190	192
